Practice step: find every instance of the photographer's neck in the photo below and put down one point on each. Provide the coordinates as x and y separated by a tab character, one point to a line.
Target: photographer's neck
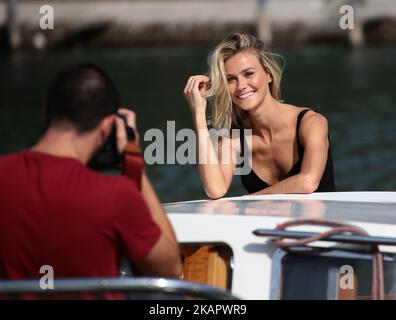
67	143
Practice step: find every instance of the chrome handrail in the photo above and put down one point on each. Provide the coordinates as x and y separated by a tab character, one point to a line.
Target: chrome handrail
126	285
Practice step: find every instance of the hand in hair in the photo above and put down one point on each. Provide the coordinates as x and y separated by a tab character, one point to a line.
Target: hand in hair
194	93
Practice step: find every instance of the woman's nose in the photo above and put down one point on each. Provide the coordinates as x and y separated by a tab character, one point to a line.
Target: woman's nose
242	83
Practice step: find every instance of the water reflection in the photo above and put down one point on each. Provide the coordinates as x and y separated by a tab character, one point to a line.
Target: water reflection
300	208
307	209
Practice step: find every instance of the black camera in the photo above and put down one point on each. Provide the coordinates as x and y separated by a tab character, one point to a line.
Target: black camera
107	157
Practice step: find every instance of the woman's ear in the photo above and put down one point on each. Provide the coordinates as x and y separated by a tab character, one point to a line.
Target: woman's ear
269	74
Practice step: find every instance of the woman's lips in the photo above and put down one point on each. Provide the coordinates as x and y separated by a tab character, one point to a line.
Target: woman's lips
245	95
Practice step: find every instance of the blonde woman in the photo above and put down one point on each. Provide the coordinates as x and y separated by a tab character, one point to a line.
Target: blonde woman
290	150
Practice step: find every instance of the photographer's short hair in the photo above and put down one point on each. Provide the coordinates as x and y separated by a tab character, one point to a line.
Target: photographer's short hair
81	97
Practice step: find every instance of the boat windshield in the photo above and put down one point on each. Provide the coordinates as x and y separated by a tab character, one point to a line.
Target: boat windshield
330	275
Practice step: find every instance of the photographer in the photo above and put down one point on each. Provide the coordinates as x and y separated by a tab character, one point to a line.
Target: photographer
56	211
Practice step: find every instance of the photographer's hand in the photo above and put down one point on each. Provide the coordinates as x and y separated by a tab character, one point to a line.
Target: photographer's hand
121	133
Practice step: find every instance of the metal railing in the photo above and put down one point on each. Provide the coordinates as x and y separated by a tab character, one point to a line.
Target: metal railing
131	288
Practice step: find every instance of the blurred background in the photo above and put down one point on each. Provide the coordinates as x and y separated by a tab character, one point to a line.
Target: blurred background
150	48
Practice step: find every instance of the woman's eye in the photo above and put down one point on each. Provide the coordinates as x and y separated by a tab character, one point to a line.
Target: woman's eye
249	74
230	79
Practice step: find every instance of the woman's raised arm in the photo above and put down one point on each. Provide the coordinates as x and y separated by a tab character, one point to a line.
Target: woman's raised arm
215	167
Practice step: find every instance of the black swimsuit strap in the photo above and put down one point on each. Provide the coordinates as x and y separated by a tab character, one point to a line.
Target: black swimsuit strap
241	141
299	146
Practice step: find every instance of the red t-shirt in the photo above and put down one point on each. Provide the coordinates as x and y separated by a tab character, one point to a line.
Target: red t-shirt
55	211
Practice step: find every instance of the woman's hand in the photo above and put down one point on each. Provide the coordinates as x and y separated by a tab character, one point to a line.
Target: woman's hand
194	93
121	133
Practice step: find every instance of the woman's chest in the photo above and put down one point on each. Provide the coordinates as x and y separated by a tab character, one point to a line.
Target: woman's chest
273	161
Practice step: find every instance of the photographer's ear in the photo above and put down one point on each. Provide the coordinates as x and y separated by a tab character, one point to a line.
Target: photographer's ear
106	126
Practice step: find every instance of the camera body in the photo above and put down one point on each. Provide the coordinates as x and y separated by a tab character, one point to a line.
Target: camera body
107	157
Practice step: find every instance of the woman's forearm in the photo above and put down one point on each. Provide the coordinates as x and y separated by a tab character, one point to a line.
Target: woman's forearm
208	166
299	183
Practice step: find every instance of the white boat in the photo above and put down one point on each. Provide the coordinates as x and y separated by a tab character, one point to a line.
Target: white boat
227	244
237	257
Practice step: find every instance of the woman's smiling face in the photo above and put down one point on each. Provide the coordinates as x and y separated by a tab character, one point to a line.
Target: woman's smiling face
247	80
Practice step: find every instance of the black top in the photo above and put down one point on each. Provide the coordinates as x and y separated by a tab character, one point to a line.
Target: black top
253	183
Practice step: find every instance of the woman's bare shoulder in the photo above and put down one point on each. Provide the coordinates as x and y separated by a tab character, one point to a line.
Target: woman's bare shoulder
313	124
311	114
292	109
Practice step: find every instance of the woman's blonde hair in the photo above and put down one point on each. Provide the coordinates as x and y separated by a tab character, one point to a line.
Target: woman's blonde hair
224	114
